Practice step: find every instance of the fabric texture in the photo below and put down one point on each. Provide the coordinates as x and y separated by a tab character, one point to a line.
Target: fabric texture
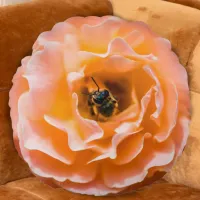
176	20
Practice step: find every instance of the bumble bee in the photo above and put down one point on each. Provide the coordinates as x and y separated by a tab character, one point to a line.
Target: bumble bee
102	103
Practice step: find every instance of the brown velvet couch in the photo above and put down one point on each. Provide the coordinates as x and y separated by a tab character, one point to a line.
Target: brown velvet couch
177	20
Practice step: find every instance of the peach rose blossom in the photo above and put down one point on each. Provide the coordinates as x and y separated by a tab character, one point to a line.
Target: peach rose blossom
54	131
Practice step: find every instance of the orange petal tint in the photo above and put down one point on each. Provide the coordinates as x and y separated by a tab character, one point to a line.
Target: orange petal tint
74	136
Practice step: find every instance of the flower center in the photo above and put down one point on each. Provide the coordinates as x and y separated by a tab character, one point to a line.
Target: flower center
104	98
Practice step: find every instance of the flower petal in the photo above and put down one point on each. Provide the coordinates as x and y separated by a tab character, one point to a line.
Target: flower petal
73	80
173	70
68	126
59	171
159	97
90	128
70	53
134	38
57	34
119	64
125	130
20	85
37	135
78	21
104	31
96	188
170	118
44	72
130	148
124	175
117	46
55	169
180	134
128	27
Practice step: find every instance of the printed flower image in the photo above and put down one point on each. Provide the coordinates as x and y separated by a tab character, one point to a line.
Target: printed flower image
100	106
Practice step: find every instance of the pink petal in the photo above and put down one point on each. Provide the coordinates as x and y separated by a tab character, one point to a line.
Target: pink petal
75	141
104	31
20	85
162	156
71	48
59	171
96	188
180	134
172	69
159	97
57	34
117	46
55	169
170	118
38	136
135	172
122	132
128	27
130	148
47	64
144	104
120	46
99	147
78	21
119	64
134	38
26	108
43	72
73	81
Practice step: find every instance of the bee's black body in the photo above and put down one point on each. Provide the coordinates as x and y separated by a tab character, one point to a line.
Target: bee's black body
107	108
103	103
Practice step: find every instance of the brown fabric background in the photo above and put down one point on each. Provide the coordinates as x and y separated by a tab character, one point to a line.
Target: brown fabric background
191	3
179	22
